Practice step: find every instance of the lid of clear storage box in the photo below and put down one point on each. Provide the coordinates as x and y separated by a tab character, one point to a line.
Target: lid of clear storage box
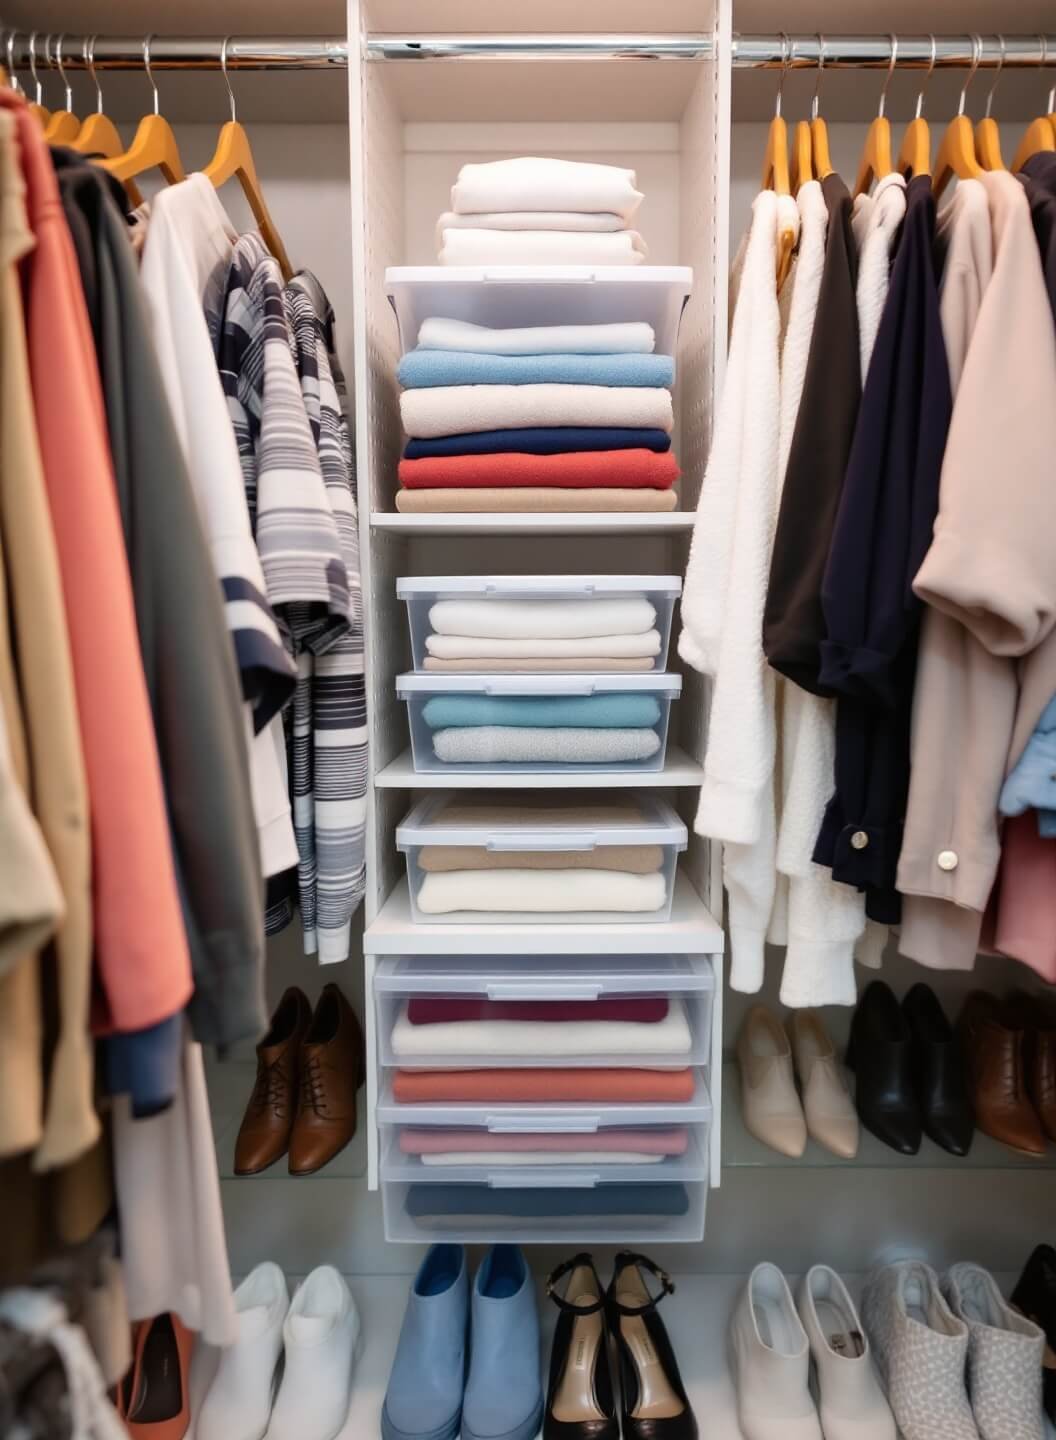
543	822
544	977
652	682
511	296
537	587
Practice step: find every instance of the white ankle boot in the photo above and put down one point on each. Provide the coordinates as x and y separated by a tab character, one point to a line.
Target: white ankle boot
237	1404
1004	1356
320	1335
852	1404
771	1361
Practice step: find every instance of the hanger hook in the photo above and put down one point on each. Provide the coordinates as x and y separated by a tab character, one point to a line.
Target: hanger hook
37	86
881	108
1044	63
62	70
786	51
817	83
150	73
13	79
88	56
997	77
227	77
924	85
977	55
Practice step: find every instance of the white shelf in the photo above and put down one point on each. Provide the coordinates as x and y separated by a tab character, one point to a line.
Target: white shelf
678	769
692	930
516	522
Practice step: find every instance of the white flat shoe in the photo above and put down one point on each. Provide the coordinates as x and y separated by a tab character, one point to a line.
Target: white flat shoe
1005	1352
830	1114
320	1335
852	1404
771	1362
770	1106
237	1405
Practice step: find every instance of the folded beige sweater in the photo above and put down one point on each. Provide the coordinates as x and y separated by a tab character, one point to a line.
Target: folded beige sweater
487	500
506	665
636	859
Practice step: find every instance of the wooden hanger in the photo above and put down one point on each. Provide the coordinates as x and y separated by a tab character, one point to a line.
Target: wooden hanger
63	125
987	134
234	160
802	156
1040	135
36	107
957	149
775	169
819	131
876	159
99	135
914	156
154	145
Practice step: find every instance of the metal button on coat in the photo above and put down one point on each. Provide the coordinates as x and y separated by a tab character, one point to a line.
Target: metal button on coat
859	840
947	859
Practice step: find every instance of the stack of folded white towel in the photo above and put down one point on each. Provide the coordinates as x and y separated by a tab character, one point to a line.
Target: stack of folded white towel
533	211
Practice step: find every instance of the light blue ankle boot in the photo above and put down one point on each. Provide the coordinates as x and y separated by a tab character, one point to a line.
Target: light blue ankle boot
424	1398
504	1392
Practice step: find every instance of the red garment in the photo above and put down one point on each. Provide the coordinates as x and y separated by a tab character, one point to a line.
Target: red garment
646	1010
1024	904
439	1140
577	470
142	961
416	1087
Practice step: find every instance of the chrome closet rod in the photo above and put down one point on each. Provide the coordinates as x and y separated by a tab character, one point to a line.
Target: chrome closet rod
750	52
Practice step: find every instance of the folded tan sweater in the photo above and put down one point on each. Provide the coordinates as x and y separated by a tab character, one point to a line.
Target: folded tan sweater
535	499
636	859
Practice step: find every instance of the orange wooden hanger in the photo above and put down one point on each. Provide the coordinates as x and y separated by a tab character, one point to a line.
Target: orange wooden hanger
99	135
914	156
1040	134
957	150
154	145
876	159
819	131
802	156
63	125
37	107
234	160
987	134
775	167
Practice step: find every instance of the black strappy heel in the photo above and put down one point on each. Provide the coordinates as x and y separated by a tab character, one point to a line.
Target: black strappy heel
654	1402
580	1401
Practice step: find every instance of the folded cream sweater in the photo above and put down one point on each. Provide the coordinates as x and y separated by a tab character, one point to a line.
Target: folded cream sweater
532	182
628	337
609	647
551	618
541	892
465	1039
463	409
541	247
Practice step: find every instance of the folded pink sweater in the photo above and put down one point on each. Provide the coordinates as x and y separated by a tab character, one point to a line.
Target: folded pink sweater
437	1141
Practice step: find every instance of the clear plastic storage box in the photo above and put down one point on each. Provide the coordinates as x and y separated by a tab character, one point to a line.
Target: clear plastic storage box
526	723
520	624
541	858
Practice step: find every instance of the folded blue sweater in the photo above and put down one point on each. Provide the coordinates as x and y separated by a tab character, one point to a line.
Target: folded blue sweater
422	369
556	440
594	712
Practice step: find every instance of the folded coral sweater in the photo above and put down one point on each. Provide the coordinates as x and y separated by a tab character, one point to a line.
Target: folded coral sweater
569	618
625	337
463	409
574	1039
581	648
638	859
549	745
656	1140
531	182
532	499
436	1009
597	712
544	1086
541	247
423	369
557	440
613	469
541	892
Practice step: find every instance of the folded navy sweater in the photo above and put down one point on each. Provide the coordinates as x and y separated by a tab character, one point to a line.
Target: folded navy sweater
554	440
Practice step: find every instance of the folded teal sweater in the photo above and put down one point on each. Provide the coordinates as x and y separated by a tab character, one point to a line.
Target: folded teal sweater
595	712
422	369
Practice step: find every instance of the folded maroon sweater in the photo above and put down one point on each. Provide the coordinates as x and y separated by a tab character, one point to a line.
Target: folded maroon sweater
575	470
499	1087
645	1010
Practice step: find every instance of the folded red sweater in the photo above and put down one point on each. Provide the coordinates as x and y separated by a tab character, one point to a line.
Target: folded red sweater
578	470
436	1010
417	1087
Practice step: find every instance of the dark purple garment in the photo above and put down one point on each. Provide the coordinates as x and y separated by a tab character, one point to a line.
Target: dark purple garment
882	533
1039	180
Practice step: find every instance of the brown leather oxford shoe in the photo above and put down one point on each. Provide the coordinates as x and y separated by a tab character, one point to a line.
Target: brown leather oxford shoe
332	1068
264	1135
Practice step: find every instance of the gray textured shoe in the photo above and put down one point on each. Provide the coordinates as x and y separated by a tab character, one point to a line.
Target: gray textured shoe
1004	1356
921	1350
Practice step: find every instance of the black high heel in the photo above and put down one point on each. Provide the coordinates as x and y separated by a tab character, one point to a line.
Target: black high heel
580	1404
654	1403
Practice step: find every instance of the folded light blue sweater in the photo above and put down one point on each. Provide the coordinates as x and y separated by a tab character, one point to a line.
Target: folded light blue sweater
422	369
596	712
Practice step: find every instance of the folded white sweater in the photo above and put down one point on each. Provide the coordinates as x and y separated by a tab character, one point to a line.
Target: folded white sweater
608	647
541	892
532	182
542	745
541	247
538	618
597	224
629	337
462	409
535	1038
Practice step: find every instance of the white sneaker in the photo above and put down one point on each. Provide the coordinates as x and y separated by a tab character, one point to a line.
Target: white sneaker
921	1350
320	1334
771	1362
851	1403
237	1404
1005	1352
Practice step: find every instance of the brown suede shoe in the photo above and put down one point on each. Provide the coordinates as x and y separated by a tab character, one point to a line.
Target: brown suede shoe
995	1050
1035	1014
333	1067
264	1135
